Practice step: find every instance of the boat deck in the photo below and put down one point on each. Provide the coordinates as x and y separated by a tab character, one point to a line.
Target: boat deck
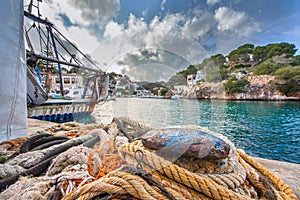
65	101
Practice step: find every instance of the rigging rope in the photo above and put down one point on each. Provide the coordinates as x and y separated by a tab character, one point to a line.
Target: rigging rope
28	40
76	48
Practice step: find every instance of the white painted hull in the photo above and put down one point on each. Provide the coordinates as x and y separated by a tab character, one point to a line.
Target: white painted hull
35	93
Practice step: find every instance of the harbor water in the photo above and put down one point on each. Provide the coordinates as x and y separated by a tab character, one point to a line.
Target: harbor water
265	129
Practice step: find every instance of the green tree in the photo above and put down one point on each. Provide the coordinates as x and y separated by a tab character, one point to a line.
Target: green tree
151	86
279	49
233	86
177	79
74	70
288	80
164	91
113	77
218	59
190	70
266	68
296	60
217	74
213	75
241	53
259	53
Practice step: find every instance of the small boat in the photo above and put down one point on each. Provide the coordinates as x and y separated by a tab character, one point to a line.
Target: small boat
176	96
50	100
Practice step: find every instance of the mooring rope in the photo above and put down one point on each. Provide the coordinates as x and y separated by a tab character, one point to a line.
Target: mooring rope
146	175
152	162
279	184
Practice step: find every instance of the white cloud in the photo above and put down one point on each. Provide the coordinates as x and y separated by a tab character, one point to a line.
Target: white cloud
82	38
95	11
236	22
212	2
142	47
199	27
171	41
234	28
145	13
113	29
136	23
79	35
163	4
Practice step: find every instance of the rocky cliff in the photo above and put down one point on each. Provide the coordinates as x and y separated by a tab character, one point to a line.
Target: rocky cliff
259	88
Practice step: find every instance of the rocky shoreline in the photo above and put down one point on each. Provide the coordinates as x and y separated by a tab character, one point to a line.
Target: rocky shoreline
259	88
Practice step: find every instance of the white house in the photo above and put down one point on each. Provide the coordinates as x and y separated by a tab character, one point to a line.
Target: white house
180	88
123	84
69	81
200	75
191	80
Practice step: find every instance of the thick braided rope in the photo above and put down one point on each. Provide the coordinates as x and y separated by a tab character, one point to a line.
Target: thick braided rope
252	176
230	180
279	184
179	191
135	123
176	188
181	175
134	180
117	182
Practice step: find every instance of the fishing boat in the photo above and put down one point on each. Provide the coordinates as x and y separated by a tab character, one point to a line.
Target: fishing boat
52	94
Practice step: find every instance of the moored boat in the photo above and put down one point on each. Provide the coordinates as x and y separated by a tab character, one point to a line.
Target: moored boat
48	99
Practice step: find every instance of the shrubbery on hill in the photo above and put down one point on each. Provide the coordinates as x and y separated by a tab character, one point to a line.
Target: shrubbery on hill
233	85
288	80
266	68
271	59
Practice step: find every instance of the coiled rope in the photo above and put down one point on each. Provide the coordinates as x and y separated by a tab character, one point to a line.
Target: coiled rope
279	184
203	184
181	183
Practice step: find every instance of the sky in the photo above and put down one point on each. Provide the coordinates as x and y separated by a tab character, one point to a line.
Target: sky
151	40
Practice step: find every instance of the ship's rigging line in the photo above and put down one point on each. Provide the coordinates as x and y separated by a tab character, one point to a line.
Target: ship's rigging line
56	35
76	48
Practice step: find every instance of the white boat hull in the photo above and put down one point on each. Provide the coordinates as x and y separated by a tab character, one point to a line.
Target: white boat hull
35	93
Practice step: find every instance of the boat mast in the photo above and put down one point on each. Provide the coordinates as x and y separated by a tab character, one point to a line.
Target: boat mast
53	36
57	57
49	27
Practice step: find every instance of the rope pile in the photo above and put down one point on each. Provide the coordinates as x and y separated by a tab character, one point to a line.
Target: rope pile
105	170
155	177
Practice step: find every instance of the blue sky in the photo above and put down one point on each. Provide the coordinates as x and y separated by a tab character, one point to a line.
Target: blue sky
153	39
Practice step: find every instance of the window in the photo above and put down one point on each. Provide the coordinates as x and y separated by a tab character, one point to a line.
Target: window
73	81
67	80
57	80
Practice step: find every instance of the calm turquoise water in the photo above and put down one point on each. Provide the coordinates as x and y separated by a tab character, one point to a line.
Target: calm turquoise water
263	129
